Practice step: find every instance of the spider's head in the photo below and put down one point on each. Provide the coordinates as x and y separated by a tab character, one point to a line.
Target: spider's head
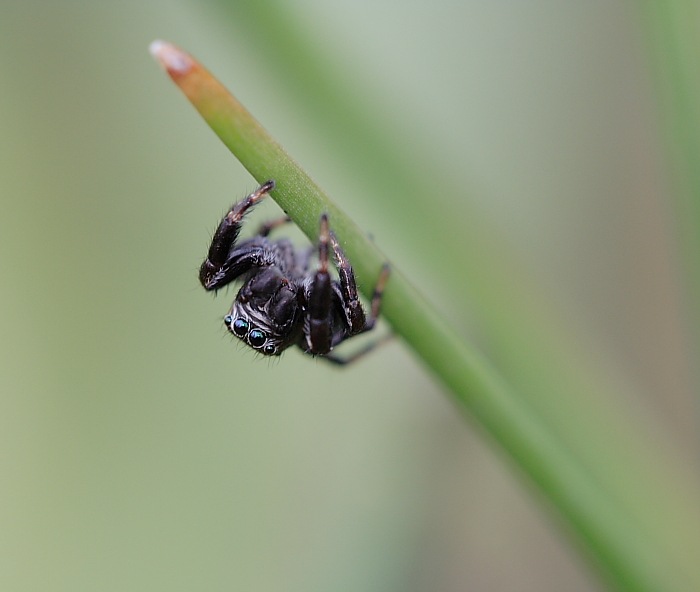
266	312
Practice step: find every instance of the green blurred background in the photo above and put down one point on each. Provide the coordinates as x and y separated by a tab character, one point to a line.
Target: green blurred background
142	449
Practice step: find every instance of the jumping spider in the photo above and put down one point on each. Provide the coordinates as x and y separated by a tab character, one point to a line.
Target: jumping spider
282	301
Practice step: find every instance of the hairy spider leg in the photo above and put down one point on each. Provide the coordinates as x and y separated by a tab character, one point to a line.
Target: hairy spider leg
320	298
369	323
223	265
348	287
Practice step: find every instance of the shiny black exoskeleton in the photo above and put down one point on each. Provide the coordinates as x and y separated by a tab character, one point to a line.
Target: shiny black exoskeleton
282	301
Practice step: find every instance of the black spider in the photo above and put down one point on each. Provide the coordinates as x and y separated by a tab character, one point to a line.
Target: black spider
282	301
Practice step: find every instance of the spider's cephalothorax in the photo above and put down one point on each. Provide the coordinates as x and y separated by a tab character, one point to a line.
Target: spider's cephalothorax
283	302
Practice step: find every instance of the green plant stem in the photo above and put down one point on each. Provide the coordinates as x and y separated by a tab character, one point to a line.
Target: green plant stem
626	554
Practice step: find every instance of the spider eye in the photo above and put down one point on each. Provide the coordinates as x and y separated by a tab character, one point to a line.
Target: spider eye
256	337
269	349
240	327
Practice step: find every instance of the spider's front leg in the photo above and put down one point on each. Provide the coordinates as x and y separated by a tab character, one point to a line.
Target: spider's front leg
352	307
320	335
354	313
320	298
222	264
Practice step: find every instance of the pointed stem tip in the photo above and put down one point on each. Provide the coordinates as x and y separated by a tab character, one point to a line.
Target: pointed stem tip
174	60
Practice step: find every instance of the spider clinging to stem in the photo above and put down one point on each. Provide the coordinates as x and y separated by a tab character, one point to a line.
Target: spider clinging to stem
283	301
